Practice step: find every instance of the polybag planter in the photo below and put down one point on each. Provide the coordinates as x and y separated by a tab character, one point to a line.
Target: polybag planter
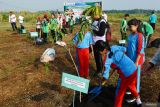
48	56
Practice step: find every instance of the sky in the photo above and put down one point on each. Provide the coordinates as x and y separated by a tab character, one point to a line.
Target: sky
37	5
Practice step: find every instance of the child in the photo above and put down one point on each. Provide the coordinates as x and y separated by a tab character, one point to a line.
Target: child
53	27
71	24
153	20
123	27
45	27
128	70
135	48
147	31
38	26
60	21
64	30
12	20
83	40
99	27
21	20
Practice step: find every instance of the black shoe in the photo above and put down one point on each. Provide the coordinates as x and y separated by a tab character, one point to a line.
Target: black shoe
138	105
134	104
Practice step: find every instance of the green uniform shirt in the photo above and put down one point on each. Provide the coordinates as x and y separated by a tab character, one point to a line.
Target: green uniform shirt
45	26
123	25
53	24
71	22
147	29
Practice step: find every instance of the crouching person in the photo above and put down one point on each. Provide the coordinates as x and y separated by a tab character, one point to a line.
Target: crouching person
127	71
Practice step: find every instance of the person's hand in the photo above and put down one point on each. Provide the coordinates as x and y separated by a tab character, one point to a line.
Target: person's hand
104	81
92	55
136	63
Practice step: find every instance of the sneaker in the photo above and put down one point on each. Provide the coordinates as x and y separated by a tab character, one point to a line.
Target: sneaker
134	104
131	100
128	93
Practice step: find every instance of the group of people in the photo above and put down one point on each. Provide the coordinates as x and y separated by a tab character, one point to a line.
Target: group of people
147	28
93	38
127	60
13	20
56	25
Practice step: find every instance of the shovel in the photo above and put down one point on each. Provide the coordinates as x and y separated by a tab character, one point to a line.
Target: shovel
98	89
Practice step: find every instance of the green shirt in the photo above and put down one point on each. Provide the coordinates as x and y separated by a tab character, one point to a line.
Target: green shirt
147	29
71	22
123	26
53	23
45	26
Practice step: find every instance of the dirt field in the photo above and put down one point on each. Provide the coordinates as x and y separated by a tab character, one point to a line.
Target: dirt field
22	84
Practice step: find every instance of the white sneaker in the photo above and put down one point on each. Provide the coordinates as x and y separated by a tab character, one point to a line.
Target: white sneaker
131	100
128	93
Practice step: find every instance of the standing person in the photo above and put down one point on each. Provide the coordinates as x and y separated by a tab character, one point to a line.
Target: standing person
60	21
82	41
67	20
64	30
38	26
12	20
128	71
45	27
123	27
53	27
99	29
21	20
71	24
59	32
147	31
135	48
104	15
153	20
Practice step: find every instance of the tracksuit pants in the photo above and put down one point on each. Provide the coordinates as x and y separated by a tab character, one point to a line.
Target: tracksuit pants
98	59
147	40
153	25
14	26
83	59
45	36
123	84
124	36
138	78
